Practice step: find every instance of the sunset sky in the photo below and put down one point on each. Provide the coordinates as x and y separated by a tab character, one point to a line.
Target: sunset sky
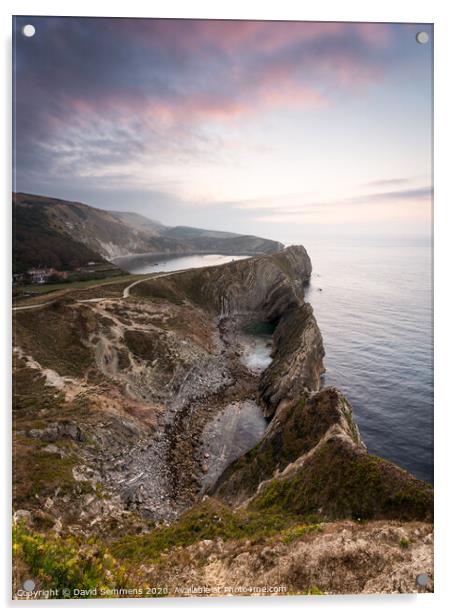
274	128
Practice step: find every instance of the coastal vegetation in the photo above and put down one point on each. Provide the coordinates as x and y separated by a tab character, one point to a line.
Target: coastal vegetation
112	482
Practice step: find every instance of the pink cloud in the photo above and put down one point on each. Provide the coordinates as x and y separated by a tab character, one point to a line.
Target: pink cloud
218	71
377	35
271	89
233	36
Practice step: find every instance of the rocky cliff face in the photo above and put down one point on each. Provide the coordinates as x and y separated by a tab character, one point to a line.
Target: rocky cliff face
269	288
174	347
312	461
117	398
297	360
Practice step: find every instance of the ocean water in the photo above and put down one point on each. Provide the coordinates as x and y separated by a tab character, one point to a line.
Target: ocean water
256	339
148	264
373	302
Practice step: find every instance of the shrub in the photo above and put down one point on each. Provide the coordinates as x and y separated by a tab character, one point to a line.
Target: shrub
67	562
296	532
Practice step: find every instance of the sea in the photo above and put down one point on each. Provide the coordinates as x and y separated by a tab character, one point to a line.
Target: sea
372	298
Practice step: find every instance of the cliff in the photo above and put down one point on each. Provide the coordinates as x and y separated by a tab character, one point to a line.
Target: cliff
117	402
269	288
268	285
312	461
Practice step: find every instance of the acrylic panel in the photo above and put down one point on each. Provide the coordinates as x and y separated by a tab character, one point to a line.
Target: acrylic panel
222	308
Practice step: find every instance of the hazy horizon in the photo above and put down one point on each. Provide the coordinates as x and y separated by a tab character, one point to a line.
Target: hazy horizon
278	129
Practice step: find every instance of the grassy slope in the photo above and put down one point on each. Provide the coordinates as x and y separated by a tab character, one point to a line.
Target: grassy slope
210	519
113	286
340	481
36	243
298	429
64	352
67	561
38	472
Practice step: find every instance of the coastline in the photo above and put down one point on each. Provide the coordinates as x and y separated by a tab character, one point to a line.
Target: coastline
160	365
175	255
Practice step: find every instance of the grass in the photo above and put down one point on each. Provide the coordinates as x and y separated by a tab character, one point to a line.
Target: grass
54	339
68	562
39	473
30	393
299	429
281	261
47	289
208	520
159	558
161	288
338	481
343	482
312	590
296	532
77	562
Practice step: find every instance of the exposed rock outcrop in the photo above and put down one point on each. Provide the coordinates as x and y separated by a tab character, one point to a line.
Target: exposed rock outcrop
269	285
297	360
333	558
312	461
294	431
111	405
270	288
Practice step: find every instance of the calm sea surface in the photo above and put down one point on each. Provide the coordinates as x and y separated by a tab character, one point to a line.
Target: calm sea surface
373	302
145	264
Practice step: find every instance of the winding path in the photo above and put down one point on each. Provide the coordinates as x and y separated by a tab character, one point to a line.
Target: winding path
16	308
125	293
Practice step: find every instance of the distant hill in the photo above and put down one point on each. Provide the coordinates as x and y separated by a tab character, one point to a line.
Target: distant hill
37	244
139	222
50	232
189	233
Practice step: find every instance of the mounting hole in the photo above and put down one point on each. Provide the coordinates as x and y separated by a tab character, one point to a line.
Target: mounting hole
422	579
28	585
422	37
28	30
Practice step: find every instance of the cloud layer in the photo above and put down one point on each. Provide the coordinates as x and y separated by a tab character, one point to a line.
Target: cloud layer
131	102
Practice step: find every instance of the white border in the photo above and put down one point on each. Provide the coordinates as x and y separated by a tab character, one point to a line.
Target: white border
329	10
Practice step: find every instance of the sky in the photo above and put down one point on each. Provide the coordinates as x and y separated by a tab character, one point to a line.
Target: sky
280	129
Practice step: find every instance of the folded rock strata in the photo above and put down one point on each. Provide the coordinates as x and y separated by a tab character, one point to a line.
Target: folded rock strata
112	398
